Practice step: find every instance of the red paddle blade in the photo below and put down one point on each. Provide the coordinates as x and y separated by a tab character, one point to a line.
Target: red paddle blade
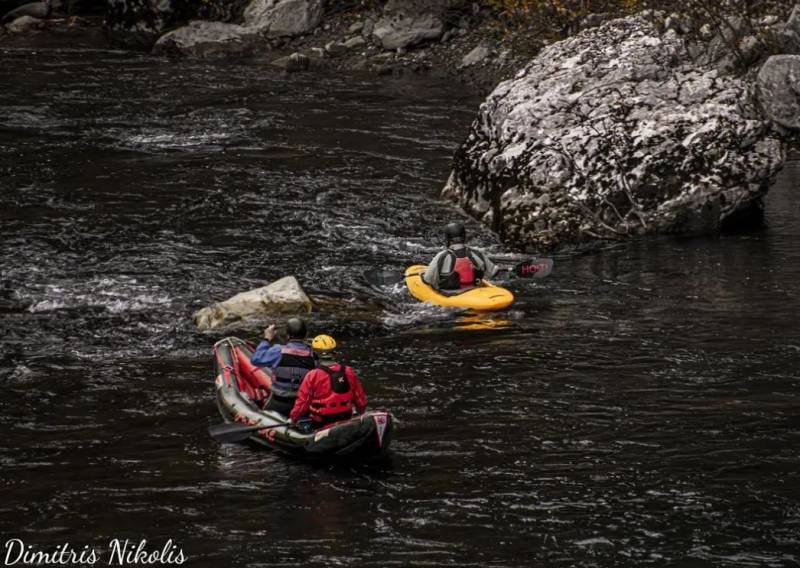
534	268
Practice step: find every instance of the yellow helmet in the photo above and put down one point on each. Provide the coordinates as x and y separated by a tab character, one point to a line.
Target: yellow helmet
323	343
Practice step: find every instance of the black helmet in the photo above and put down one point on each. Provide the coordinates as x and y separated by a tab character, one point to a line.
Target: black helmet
296	328
455	233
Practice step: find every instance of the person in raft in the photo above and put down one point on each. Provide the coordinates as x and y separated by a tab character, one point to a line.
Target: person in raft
289	363
329	395
458	266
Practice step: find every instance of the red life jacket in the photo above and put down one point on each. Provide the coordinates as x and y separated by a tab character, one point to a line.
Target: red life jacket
464	275
338	405
466	271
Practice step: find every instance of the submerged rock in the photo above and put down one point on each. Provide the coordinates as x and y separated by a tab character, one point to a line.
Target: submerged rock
613	133
25	24
280	297
208	39
292	63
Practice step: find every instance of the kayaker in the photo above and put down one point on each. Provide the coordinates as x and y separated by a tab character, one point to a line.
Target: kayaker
329	395
458	266
289	363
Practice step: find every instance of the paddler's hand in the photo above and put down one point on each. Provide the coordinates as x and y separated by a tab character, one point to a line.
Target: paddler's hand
269	333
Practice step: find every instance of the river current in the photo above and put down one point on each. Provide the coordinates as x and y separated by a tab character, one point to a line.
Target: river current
641	406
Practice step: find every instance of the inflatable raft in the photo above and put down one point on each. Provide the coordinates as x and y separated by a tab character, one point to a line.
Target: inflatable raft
241	387
485	298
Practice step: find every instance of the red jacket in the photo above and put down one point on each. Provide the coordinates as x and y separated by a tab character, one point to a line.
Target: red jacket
316	385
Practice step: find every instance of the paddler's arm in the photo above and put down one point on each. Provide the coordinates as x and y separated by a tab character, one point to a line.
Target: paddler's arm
490	269
359	396
431	274
267	355
302	403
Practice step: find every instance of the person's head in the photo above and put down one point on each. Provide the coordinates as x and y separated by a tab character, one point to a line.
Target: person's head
455	233
296	328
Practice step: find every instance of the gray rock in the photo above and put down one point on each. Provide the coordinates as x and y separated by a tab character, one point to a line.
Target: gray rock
784	37
779	90
280	18
401	31
355	27
353	42
281	297
208	39
769	21
335	48
292	63
475	56
25	24
369	27
624	132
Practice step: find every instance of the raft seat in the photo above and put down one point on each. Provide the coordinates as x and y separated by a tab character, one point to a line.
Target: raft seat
255	382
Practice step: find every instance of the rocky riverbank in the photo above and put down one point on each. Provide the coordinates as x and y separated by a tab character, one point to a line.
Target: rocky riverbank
445	38
651	123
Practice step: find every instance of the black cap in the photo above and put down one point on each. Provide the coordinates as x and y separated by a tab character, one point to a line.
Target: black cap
455	233
296	328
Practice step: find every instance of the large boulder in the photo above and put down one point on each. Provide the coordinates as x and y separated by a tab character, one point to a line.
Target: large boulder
208	39
779	90
276	18
613	133
280	297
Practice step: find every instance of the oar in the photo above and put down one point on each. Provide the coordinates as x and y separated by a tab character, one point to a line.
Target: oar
533	268
235	432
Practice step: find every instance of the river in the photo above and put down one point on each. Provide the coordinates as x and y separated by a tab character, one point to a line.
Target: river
641	406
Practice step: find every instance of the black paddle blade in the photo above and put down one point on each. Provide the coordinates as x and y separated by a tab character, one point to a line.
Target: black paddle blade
380	277
230	433
534	268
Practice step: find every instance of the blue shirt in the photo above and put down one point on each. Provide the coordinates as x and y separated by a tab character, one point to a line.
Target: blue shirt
268	355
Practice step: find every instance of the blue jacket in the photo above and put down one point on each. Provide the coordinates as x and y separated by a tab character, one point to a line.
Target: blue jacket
268	355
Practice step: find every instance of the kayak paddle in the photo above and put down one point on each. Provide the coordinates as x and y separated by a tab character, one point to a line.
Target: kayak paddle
236	432
532	268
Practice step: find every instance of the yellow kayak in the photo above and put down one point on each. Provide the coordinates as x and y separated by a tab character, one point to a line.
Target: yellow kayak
484	298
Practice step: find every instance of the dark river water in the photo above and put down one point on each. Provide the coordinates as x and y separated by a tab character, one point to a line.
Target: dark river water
641	406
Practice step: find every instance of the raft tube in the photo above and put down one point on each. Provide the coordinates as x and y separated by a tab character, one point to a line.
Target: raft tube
364	437
484	298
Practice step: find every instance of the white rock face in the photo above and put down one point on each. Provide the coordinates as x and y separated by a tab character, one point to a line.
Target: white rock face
779	90
281	297
610	134
207	39
277	18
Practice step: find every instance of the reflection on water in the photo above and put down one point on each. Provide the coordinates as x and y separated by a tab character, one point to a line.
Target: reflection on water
639	406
